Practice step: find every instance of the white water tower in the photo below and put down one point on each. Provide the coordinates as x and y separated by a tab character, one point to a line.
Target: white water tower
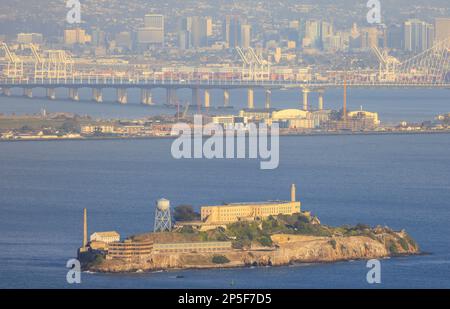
163	219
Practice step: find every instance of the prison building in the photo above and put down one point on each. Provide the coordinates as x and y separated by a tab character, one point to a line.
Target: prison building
129	250
229	213
193	247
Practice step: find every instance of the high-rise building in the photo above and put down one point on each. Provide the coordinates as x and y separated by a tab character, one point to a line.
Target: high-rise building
246	36
442	28
369	38
76	36
316	33
153	30
199	31
209	27
184	39
419	35
313	33
98	37
27	38
395	37
154	21
232	31
124	40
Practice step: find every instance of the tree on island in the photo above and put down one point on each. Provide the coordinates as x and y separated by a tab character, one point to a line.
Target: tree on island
185	213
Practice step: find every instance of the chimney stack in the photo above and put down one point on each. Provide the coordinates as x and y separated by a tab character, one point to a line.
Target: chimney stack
293	193
85	232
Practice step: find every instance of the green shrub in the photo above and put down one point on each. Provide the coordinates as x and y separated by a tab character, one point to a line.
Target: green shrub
185	213
411	241
187	229
403	243
392	247
220	259
333	243
265	240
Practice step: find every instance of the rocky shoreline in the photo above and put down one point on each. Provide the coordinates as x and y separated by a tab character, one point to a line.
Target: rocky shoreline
287	249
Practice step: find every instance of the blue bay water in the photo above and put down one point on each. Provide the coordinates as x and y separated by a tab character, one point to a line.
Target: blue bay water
397	180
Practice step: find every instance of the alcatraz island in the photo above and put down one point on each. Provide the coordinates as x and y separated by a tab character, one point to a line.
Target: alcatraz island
267	233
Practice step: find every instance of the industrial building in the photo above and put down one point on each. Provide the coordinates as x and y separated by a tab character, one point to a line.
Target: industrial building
105	237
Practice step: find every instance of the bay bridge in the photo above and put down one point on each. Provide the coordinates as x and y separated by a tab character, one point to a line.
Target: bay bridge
52	69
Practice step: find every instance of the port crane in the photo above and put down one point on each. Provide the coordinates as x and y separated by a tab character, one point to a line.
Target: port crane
14	65
388	64
253	68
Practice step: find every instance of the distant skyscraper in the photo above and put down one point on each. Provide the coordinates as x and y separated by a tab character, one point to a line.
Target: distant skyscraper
442	28
232	31
153	30
26	38
199	32
313	33
184	39
419	35
369	38
124	40
209	27
246	36
154	21
76	36
98	37
395	37
317	33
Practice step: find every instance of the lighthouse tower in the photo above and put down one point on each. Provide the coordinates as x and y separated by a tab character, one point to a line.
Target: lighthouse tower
293	197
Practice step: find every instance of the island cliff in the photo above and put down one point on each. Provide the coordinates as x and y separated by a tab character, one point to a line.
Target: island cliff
280	240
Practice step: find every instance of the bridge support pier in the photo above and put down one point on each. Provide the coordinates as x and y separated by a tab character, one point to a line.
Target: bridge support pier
321	92
250	98
196	98
268	98
207	98
73	94
28	92
122	96
146	97
97	95
51	93
6	92
226	97
171	96
305	98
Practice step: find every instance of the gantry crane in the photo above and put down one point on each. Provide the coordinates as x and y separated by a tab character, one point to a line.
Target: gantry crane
14	65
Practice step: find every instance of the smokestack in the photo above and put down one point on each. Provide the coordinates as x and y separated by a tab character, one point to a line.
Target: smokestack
344	108
293	193
85	232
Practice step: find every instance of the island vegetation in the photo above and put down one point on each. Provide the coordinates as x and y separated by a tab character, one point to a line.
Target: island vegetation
275	240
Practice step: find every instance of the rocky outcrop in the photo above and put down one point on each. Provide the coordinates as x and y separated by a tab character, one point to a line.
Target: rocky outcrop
287	249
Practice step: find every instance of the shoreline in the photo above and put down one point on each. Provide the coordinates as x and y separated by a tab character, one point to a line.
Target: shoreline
104	138
290	264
